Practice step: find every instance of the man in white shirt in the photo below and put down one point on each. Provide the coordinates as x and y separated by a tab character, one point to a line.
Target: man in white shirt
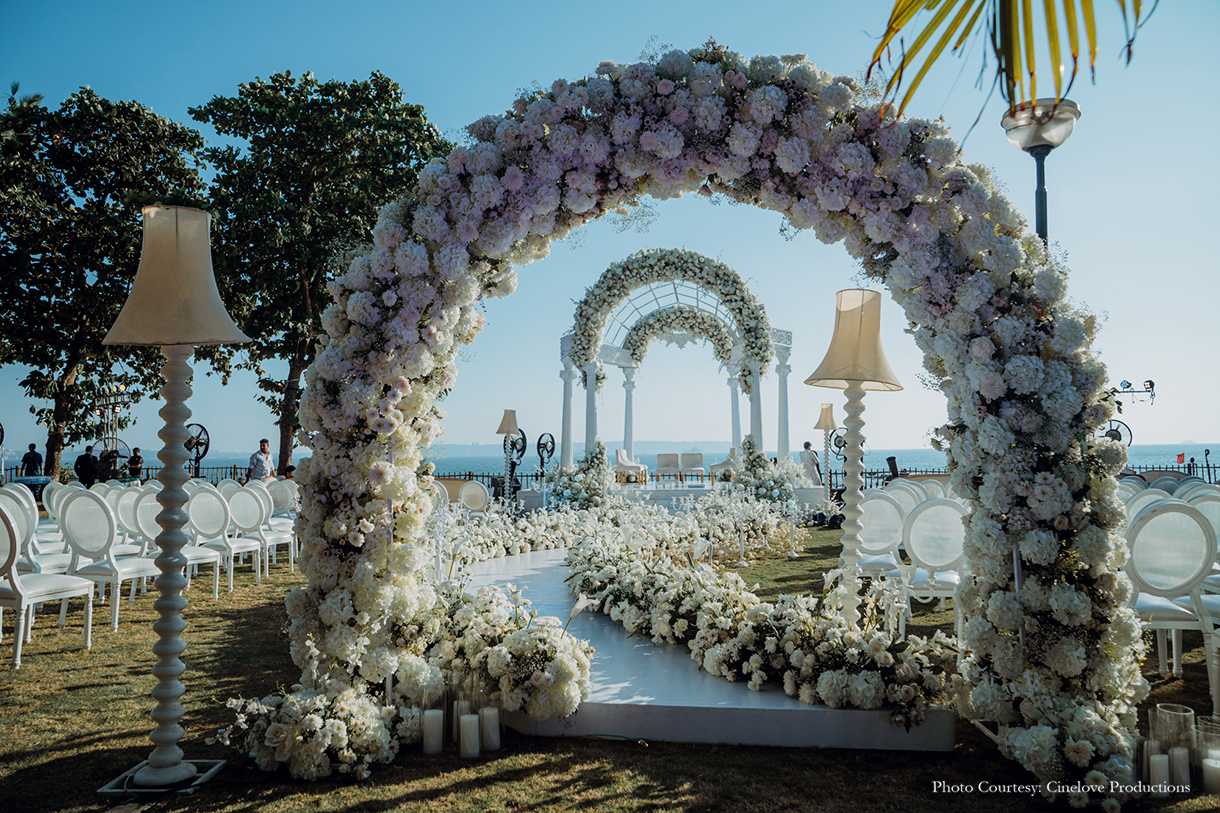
261	467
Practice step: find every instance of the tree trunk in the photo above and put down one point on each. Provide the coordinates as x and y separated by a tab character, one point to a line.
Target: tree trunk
288	407
59	418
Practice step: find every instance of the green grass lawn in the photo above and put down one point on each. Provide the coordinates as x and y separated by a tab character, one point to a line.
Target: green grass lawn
75	719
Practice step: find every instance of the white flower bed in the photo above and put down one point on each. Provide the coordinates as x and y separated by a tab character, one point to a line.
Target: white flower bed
644	268
985	304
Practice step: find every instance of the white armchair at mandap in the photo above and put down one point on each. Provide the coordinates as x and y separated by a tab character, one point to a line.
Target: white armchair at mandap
624	465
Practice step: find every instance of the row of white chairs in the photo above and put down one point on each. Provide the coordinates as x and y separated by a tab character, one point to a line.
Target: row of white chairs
473	499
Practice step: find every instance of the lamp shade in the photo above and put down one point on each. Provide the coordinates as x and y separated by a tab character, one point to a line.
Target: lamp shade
508	424
826	421
1041	123
174	300
855	353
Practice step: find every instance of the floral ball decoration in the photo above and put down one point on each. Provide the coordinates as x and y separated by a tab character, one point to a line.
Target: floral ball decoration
616	284
984	301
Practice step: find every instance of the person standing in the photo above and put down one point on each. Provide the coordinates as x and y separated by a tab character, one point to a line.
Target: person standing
86	468
31	463
261	467
135	464
813	466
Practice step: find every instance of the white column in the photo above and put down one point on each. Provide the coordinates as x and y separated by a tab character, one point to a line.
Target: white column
735	409
590	406
568	374
628	429
853	467
756	430
781	433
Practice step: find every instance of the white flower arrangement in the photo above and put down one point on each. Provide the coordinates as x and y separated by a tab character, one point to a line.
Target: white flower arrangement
764	480
985	303
643	268
585	485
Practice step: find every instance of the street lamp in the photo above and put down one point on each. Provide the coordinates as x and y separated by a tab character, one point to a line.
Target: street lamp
173	304
1037	128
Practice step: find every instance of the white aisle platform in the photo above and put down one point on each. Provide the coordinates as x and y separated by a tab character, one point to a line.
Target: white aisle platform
653	692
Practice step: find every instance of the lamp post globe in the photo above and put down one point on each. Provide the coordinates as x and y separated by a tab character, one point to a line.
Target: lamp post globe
1038	127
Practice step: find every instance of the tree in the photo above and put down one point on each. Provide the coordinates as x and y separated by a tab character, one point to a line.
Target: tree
72	184
1010	29
319	161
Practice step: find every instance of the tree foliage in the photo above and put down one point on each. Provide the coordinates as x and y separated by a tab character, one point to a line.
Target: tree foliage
319	160
72	184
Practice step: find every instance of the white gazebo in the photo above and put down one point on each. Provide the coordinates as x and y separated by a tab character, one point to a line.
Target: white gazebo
679	309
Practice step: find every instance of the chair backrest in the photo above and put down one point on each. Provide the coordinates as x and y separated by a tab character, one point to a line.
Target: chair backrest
144	513
1127	490
692	460
881	523
1197	490
1209	506
1166	484
8	543
21	520
125	510
667	461
474	496
1172	549
264	496
26	497
100	488
933	488
208	514
934	535
906	496
281	497
917	487
153	485
620	457
228	487
1149	495
54	499
247	510
75	484
293	489
88	523
440	497
1188	481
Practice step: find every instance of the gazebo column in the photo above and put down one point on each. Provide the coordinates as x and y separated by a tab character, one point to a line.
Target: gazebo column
568	374
781	433
756	404
590	406
735	410
628	419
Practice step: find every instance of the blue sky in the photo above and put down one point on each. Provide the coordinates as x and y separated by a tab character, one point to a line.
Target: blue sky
1131	194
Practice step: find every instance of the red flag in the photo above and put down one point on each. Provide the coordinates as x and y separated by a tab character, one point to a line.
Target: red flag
1182	458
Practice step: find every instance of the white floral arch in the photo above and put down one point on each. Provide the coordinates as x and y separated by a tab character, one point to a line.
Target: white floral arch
679	319
1055	665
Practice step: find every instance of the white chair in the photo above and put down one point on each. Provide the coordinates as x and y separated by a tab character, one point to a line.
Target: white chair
272	536
691	463
283	503
934	536
90	528
440	497
880	532
906	496
1166	484
623	465
474	499
20	593
1143	498
729	464
933	487
144	512
246	511
228	486
1172	548
1196	490
667	464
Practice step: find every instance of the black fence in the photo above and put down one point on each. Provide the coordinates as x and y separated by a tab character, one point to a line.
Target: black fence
213	474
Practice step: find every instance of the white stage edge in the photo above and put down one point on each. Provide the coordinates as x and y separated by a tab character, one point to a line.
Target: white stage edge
643	691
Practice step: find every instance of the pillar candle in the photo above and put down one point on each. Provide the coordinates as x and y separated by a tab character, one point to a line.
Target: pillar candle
1179	763
469	724
434	731
1211	773
1151	748
460	707
1158	773
489	723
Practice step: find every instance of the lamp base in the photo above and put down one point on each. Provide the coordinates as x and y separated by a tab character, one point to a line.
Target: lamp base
129	782
148	776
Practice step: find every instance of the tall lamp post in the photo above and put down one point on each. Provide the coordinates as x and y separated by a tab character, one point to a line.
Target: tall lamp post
1037	128
855	362
826	422
174	305
508	428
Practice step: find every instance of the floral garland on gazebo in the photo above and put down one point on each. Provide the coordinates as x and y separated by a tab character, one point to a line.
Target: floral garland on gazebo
680	319
644	268
986	305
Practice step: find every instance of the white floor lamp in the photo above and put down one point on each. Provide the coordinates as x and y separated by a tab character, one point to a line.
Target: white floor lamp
174	305
855	362
826	422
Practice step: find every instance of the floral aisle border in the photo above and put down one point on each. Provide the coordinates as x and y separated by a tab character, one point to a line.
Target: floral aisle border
679	319
1056	667
653	265
586	484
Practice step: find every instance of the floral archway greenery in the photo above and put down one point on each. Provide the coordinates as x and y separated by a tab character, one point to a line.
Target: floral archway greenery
1054	663
679	319
651	266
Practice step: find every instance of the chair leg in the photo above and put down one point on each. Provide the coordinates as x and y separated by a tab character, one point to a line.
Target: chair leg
63	613
1177	653
18	636
232	564
132	599
1	625
216	580
29	623
89	621
1214	673
114	604
1160	652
